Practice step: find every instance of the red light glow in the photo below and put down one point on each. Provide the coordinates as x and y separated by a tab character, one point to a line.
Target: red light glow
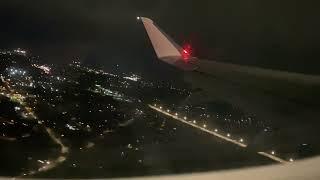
186	52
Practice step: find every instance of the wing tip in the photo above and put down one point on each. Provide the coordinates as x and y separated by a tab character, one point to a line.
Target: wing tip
145	19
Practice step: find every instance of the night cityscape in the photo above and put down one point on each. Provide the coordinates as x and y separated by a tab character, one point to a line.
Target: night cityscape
84	122
164	89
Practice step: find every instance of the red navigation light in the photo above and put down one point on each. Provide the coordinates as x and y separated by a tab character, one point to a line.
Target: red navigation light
186	52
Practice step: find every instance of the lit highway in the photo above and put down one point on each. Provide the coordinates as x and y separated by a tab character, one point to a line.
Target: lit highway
215	133
50	164
273	157
201	128
28	113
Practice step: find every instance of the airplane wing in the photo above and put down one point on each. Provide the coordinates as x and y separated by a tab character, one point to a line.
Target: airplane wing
296	87
281	98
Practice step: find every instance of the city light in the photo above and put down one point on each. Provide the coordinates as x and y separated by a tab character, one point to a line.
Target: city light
20	52
44	68
133	77
17	108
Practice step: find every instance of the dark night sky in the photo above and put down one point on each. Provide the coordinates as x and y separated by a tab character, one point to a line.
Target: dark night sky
279	34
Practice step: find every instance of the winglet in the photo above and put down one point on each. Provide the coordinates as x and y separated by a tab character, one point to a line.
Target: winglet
166	49
162	44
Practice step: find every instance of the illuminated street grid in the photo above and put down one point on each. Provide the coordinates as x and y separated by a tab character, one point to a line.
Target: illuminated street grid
28	113
215	133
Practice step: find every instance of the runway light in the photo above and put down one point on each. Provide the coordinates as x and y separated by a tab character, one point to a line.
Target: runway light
272	152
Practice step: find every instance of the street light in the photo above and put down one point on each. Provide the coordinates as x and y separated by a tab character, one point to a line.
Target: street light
291	160
241	140
204	125
272	152
185	118
228	135
216	130
168	110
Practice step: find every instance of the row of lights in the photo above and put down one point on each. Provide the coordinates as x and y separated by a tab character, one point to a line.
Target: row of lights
195	122
216	130
273	153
